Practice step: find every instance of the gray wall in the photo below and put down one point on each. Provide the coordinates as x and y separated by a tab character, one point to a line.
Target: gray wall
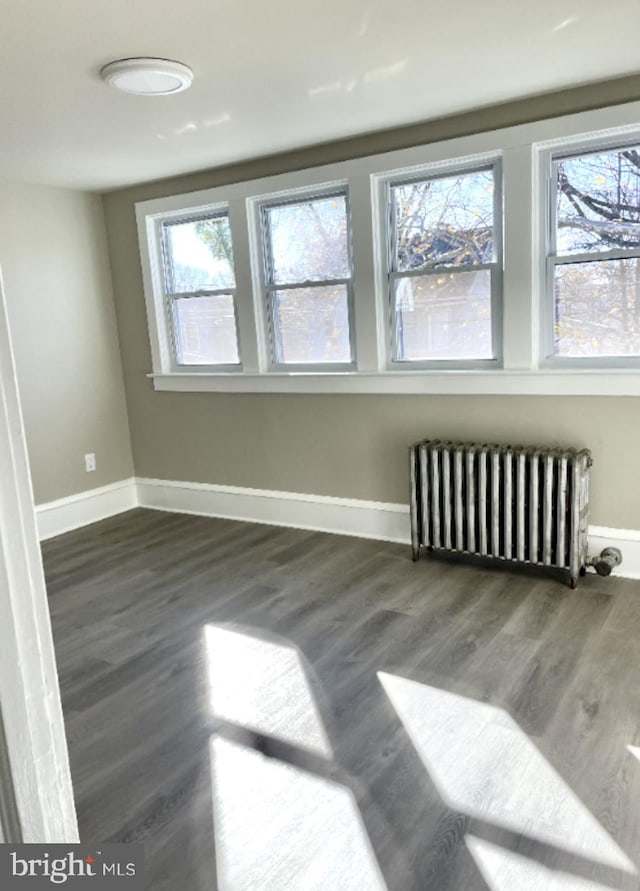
58	288
350	446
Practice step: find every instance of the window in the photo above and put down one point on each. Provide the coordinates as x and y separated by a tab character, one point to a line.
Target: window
594	257
199	289
308	281
503	262
444	261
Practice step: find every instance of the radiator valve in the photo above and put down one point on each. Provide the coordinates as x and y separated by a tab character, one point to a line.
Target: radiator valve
606	561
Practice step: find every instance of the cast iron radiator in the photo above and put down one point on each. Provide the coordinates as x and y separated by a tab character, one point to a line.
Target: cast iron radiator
514	503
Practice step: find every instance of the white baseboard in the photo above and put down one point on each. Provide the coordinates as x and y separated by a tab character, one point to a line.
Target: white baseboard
322	513
628	540
65	514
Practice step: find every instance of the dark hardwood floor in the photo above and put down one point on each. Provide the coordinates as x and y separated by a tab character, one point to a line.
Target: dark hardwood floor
267	708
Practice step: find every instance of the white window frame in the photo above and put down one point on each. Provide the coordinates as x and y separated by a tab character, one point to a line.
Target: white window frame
260	208
169	298
548	357
392	274
523	151
159	301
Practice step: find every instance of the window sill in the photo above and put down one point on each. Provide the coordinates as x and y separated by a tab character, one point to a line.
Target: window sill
543	382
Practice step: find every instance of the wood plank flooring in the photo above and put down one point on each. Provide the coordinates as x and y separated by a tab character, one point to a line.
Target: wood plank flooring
268	708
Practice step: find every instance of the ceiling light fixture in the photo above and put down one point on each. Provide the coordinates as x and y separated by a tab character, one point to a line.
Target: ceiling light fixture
147	77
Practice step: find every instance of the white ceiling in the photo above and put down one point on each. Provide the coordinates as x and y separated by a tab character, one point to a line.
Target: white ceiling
272	75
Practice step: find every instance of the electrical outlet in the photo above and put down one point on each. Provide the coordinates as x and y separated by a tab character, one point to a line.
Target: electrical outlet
90	462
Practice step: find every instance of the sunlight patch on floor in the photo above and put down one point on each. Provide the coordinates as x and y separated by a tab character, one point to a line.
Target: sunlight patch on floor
277	826
503	870
262	686
484	766
635	750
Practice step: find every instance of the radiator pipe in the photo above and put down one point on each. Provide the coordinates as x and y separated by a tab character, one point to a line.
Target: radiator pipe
607	560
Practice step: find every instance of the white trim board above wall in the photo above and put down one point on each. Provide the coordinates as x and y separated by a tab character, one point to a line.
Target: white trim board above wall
542	382
323	513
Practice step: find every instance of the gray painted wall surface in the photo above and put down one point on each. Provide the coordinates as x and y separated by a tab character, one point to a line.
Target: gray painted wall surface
58	288
351	446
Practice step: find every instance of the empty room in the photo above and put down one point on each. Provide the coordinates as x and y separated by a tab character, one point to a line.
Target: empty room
320	400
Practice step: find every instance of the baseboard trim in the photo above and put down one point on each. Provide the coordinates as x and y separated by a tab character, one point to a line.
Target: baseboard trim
628	540
378	520
74	511
321	513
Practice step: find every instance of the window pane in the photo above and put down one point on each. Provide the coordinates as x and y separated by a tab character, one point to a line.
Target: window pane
445	221
312	325
199	255
598	308
444	316
309	240
598	202
206	330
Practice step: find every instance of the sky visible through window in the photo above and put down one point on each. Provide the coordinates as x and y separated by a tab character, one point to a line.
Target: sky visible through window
201	255
445	221
309	240
597	302
598	202
200	258
308	245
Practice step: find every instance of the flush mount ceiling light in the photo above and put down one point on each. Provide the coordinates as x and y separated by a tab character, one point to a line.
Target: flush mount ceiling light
147	77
